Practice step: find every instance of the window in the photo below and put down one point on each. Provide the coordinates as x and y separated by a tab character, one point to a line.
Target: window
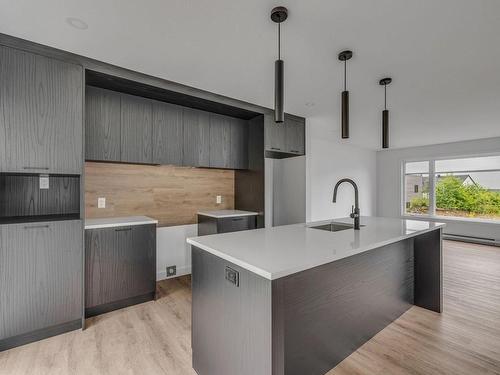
417	188
460	188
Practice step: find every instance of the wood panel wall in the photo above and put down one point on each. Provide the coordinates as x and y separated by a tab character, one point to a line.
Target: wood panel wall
172	195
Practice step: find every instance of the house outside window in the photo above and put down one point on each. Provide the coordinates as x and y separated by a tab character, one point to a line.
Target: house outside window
460	188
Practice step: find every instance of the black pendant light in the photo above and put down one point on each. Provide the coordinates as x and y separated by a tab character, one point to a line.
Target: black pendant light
385	114
279	15
344	56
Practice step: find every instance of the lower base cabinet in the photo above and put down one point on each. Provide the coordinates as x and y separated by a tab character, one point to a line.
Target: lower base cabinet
41	266
211	225
120	267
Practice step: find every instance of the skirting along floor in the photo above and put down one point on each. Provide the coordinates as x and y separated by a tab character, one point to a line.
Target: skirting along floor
155	337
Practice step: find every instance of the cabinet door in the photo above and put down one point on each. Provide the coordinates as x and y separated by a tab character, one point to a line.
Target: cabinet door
196	138
167	133
41	114
275	136
136	129
239	144
295	136
40	275
120	263
220	141
102	124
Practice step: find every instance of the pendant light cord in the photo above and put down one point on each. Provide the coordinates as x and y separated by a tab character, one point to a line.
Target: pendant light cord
279	41
345	75
385	97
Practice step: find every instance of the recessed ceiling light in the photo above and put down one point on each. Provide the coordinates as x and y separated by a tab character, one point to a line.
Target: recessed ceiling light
77	23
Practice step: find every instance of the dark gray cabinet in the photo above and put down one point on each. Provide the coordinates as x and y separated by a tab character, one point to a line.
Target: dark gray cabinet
239	144
136	129
295	136
41	114
167	133
41	267
102	118
220	141
228	142
274	135
212	225
132	129
285	138
120	267
196	138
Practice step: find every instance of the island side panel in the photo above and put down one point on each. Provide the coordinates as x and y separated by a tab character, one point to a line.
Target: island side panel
322	315
429	270
231	325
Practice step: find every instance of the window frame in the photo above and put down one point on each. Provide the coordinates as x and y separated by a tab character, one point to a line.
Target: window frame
432	189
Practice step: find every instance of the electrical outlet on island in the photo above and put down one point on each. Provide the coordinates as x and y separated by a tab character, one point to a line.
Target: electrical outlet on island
218	199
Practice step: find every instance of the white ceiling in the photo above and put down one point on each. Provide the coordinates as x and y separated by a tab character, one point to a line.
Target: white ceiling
444	56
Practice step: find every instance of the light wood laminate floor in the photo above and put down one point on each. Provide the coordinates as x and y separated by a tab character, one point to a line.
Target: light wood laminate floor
154	338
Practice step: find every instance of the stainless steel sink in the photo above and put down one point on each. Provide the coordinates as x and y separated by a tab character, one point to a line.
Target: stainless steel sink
334	227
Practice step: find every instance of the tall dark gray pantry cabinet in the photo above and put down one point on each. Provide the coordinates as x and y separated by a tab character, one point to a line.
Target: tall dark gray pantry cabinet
41	256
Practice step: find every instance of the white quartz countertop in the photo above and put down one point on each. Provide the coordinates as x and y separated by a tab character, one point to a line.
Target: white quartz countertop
281	251
227	213
110	222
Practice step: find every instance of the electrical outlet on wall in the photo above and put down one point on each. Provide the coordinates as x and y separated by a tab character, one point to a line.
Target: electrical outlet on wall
101	202
171	271
218	199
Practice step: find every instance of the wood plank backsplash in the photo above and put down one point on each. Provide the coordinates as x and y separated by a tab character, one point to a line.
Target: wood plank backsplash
172	195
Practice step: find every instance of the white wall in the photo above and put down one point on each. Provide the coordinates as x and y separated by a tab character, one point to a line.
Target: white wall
389	180
172	249
330	159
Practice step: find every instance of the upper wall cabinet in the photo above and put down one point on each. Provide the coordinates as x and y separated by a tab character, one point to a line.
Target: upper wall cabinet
168	134
228	142
132	129
220	141
102	131
196	138
136	129
239	144
286	139
41	114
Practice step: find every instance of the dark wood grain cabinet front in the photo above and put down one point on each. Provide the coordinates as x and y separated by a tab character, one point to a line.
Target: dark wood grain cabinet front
285	139
213	225
136	129
120	267
41	267
41	114
102	119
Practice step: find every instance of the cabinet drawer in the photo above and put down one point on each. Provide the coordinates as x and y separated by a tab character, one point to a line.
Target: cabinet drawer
235	224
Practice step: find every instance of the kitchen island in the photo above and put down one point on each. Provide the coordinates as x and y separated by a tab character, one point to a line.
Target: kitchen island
298	299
